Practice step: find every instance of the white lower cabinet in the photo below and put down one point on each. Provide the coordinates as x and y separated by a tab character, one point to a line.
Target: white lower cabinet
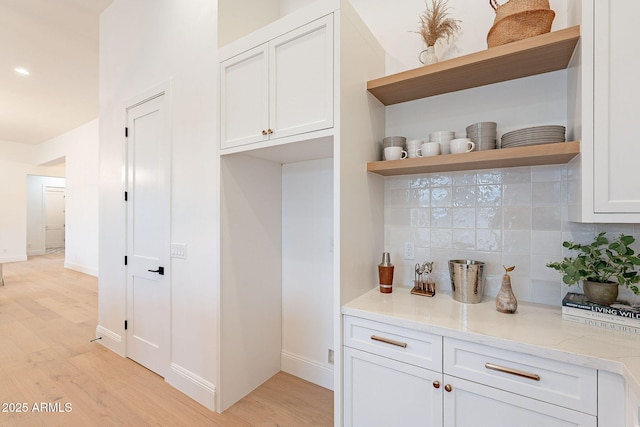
396	376
471	404
382	392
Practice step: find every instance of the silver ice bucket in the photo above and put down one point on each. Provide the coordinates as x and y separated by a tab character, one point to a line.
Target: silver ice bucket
467	280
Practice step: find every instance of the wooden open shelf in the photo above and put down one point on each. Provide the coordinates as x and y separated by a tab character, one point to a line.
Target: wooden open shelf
533	155
528	57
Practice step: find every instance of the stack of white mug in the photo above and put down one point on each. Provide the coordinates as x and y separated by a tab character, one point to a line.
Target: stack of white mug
444	137
413	147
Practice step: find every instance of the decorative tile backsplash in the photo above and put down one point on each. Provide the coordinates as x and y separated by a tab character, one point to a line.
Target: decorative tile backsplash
513	216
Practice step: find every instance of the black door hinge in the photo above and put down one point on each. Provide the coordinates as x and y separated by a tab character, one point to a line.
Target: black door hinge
126	132
125	325
125	260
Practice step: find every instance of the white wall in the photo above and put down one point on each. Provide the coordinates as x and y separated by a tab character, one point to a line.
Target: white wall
79	149
145	43
36	211
16	162
307	270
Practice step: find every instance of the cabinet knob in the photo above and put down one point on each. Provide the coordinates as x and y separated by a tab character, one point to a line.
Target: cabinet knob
448	388
264	132
269	131
436	384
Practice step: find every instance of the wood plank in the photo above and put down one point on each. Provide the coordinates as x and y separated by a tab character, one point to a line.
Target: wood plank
528	57
533	155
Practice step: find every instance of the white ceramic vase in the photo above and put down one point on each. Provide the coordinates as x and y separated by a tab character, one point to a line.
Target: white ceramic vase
428	56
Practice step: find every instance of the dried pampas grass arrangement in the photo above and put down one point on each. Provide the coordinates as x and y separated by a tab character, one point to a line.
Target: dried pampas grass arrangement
435	23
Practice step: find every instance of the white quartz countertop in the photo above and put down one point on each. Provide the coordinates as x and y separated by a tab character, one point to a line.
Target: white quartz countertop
534	328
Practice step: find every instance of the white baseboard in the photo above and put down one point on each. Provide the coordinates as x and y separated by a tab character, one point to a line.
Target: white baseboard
197	388
18	258
36	252
81	268
111	340
308	370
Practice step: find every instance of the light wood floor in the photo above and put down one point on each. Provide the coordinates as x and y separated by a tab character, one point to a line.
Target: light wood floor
48	314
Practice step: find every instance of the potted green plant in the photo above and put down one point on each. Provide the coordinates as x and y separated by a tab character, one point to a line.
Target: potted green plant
602	266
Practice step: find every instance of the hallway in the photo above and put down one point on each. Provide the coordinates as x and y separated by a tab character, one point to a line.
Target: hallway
51	374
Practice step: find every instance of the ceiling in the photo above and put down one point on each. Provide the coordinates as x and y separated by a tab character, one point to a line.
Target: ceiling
57	41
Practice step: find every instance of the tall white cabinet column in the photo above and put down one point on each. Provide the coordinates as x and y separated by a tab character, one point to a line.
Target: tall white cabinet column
267	274
604	101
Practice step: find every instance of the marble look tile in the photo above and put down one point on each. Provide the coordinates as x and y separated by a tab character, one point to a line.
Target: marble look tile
516	242
489	240
441	238
441	217
464	239
517	218
490	177
546	218
420	217
489	195
464	196
441	196
464	218
464	178
517	194
545	193
490	217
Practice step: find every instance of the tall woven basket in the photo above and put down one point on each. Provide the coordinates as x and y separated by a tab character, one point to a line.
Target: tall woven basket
519	19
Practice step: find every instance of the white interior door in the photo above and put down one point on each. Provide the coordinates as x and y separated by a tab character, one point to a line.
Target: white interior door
148	197
54	217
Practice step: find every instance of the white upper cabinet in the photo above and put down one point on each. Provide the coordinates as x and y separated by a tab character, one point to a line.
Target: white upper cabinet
279	89
244	94
616	107
604	103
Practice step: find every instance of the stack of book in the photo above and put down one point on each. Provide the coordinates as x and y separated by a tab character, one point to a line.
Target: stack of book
620	316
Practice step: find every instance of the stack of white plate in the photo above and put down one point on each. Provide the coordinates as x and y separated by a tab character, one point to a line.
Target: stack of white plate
533	136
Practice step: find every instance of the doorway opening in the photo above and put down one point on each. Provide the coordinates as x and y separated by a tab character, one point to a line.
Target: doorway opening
45	215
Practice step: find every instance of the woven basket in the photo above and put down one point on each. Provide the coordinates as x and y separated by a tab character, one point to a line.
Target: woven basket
519	19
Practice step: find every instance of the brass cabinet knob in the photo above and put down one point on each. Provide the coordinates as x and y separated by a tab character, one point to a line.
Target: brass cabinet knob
448	387
436	384
264	132
269	131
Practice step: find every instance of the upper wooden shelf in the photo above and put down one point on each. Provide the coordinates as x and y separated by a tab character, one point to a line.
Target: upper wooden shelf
528	57
532	155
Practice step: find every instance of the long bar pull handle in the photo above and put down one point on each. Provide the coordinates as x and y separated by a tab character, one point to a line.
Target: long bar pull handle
389	341
512	371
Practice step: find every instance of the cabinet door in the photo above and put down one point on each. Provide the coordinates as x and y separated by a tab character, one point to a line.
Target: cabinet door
384	392
616	107
244	98
472	404
301	70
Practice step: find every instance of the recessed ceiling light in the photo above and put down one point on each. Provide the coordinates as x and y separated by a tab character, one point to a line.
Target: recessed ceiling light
22	71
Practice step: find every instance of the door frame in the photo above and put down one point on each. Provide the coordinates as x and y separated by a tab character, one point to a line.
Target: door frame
155	92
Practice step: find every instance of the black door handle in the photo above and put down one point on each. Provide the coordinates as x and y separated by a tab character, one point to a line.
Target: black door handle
160	271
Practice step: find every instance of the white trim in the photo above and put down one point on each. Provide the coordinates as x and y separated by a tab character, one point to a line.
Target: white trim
110	339
17	258
36	252
192	385
308	370
81	268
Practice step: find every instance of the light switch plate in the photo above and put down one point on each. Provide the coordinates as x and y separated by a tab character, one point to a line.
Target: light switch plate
178	250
